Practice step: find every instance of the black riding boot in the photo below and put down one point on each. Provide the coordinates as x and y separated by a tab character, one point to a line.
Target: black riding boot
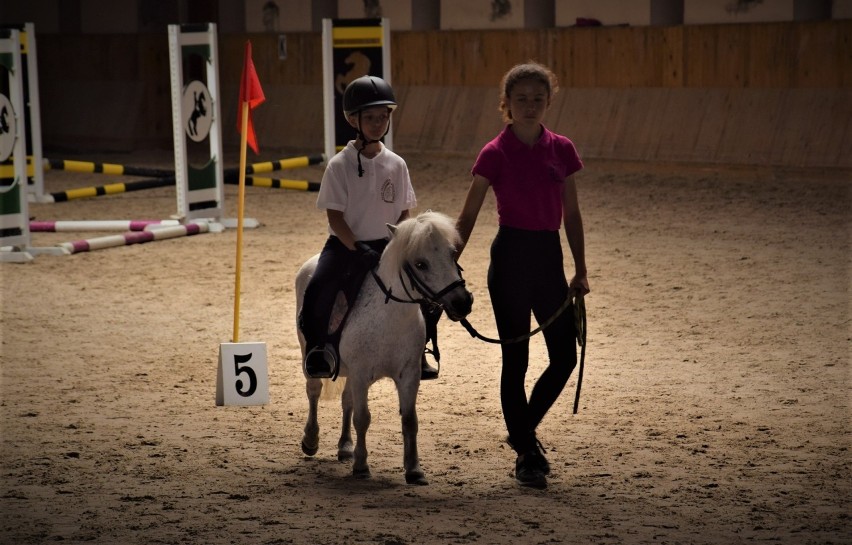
321	359
431	314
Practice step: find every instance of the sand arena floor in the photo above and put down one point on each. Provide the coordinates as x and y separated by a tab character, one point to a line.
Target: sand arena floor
715	405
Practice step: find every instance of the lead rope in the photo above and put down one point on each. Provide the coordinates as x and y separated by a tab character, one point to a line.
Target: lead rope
579	324
474	333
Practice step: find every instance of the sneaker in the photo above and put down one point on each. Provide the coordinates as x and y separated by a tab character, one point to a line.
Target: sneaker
527	471
537	453
427	372
321	362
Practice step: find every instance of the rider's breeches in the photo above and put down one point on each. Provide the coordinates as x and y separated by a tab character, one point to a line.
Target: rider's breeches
322	290
338	268
526	276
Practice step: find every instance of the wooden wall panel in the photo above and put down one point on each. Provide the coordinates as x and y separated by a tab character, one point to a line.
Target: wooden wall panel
730	56
416	67
772	57
749	94
844	41
584	61
759	55
819	57
778	55
672	58
716	56
303	65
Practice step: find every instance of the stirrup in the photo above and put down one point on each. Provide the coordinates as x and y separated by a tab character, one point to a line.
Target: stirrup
321	362
428	372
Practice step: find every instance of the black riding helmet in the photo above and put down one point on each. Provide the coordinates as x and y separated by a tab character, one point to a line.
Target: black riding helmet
366	92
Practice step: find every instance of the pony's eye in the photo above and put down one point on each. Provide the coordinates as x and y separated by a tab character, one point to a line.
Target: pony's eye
421	266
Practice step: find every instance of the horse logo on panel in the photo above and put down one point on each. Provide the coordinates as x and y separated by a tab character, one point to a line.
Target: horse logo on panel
360	66
195	109
7	128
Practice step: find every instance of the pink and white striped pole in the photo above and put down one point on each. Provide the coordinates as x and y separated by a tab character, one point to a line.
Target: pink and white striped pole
63	226
134	237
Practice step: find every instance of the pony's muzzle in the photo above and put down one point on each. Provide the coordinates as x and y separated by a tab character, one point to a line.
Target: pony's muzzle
459	306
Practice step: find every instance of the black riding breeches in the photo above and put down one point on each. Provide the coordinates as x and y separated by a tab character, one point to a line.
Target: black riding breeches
338	268
526	276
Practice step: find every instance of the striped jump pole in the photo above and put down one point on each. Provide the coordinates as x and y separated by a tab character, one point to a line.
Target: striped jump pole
135	237
284	164
114	169
232	174
110	189
281	183
165	178
87	167
64	226
8	171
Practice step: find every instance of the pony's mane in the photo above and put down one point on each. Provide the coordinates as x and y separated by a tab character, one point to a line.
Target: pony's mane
415	235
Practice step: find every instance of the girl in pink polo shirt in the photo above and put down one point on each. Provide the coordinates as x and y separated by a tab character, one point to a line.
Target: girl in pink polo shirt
531	170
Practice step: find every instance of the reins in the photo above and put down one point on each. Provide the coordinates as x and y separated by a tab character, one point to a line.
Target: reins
389	296
580	321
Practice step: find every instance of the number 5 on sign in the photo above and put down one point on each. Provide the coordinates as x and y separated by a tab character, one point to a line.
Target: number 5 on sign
243	378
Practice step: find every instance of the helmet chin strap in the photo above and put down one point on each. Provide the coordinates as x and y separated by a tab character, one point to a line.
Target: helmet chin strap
365	143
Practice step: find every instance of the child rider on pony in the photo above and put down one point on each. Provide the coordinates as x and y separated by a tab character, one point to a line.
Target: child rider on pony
365	187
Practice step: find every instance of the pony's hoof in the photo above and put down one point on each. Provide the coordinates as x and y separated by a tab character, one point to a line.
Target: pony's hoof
310	451
416	477
344	455
361	473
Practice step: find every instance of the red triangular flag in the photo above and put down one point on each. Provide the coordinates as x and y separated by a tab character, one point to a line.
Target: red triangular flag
251	92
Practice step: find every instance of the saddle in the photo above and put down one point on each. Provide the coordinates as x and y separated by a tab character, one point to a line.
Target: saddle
347	293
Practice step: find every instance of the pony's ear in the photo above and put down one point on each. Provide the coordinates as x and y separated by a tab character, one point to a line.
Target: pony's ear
392	229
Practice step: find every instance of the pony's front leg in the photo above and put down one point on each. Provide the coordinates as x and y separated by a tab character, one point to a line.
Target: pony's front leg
310	440
408	411
344	445
361	418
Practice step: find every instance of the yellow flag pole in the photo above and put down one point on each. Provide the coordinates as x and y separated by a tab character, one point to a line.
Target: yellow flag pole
240	212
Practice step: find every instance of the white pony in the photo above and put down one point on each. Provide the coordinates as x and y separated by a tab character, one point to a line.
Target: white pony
385	334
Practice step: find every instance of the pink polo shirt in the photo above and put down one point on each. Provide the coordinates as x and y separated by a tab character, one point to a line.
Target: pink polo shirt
528	181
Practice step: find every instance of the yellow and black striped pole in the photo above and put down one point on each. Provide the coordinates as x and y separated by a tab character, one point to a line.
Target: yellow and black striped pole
164	178
88	167
281	164
282	183
110	189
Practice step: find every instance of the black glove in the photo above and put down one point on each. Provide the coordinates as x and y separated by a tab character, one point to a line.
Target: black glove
368	256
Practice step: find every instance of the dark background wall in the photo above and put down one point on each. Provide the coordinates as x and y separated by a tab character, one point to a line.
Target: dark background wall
754	93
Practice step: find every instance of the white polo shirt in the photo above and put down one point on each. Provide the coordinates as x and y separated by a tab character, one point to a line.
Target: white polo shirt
369	202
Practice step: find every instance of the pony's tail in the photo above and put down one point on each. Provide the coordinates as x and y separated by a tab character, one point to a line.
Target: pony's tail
332	389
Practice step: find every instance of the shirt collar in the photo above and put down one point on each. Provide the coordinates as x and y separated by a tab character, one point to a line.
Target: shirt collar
514	143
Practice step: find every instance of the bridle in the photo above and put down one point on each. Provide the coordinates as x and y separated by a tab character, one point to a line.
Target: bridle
429	296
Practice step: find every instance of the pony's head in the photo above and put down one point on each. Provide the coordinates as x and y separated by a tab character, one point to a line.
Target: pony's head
423	248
